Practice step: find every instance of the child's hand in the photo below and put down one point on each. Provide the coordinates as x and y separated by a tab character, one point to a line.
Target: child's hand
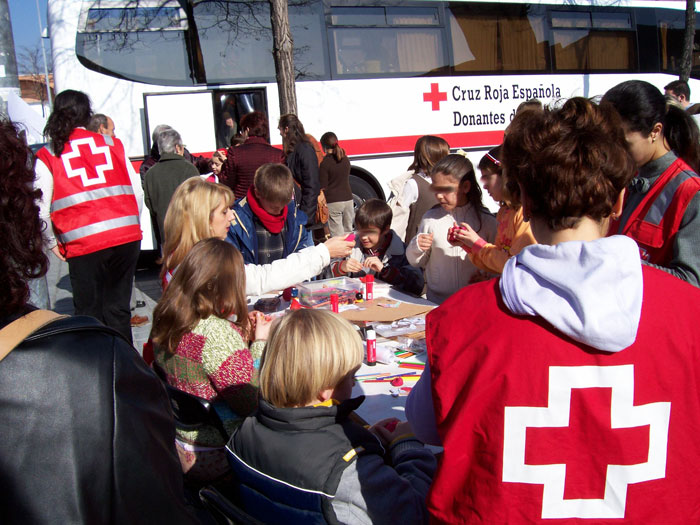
387	424
425	241
373	263
350	265
388	432
466	235
262	326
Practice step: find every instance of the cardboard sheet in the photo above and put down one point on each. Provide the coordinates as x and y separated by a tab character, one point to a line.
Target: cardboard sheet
374	312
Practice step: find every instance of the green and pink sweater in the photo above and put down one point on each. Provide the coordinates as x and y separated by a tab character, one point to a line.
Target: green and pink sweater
214	362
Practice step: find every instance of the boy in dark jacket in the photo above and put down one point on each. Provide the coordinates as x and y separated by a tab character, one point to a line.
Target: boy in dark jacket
379	250
301	459
266	224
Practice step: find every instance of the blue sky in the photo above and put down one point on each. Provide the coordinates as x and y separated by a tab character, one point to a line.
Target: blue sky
25	26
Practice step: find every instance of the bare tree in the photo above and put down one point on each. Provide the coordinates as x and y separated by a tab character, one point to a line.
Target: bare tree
688	41
233	19
31	62
283	53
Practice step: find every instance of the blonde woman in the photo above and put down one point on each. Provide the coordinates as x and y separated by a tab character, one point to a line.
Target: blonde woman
206	354
201	209
348	474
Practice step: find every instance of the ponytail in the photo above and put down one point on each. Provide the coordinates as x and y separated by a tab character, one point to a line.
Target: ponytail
71	110
641	106
329	141
681	132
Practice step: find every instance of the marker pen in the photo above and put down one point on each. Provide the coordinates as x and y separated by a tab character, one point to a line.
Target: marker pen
334	303
371	347
369	287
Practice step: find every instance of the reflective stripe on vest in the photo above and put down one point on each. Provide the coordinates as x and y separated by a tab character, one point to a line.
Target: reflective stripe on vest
91	195
99	227
656	219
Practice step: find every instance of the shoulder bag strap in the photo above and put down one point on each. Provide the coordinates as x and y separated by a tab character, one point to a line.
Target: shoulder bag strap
17	331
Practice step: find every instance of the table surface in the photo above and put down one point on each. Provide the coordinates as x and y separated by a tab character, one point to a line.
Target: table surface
379	402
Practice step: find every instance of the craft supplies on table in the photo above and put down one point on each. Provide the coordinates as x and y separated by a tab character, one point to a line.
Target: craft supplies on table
317	294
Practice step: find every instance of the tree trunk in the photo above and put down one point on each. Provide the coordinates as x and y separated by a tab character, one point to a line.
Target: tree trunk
688	41
283	52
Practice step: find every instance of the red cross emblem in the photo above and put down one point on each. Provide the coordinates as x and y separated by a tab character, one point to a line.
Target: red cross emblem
95	159
588	444
435	96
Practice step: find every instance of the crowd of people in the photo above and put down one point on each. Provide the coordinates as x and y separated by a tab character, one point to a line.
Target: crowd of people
567	316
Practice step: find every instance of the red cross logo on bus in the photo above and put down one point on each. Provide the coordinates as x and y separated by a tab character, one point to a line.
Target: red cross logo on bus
435	96
97	156
587	406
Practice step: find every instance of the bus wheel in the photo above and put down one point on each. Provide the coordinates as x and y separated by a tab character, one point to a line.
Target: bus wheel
361	190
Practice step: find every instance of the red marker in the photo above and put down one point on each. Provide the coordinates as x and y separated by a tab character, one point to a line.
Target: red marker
391	425
369	287
334	303
371	347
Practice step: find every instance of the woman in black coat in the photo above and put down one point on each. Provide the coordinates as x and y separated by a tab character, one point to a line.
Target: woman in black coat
302	161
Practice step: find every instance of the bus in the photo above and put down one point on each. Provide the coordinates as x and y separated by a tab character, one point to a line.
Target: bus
379	74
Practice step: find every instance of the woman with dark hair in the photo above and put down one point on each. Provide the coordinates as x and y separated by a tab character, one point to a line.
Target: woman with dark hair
334	174
302	161
242	161
566	389
412	196
79	406
662	205
91	203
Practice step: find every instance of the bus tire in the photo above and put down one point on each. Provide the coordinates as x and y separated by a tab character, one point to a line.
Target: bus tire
361	190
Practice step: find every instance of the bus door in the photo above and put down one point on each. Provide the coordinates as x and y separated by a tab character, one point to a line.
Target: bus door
230	105
190	113
206	120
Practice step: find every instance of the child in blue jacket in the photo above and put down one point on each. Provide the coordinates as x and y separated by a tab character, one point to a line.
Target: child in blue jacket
267	225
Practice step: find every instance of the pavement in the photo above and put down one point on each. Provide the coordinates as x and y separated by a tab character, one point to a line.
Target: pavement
146	289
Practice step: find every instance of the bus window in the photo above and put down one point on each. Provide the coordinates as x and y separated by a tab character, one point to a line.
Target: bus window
149	44
381	41
145	44
230	106
585	41
503	38
236	40
671	26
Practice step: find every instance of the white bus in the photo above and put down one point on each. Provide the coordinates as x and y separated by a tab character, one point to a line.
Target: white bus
378	74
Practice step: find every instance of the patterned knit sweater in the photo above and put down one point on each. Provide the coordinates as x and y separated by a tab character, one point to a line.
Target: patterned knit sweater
214	362
513	235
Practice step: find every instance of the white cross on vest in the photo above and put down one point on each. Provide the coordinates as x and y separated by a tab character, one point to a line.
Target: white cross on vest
95	153
623	415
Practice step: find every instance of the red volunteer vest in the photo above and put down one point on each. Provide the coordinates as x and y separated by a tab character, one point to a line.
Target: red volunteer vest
540	429
93	205
655	221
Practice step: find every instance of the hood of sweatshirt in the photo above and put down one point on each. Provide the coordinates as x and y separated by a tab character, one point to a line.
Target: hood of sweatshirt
591	291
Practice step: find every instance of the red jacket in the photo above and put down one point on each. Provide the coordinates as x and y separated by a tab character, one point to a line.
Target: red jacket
656	219
526	414
93	205
242	162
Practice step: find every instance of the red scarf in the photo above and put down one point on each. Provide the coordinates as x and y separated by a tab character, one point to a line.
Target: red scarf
273	223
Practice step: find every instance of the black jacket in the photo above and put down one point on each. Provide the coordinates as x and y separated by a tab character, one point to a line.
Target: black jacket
266	451
87	435
303	164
